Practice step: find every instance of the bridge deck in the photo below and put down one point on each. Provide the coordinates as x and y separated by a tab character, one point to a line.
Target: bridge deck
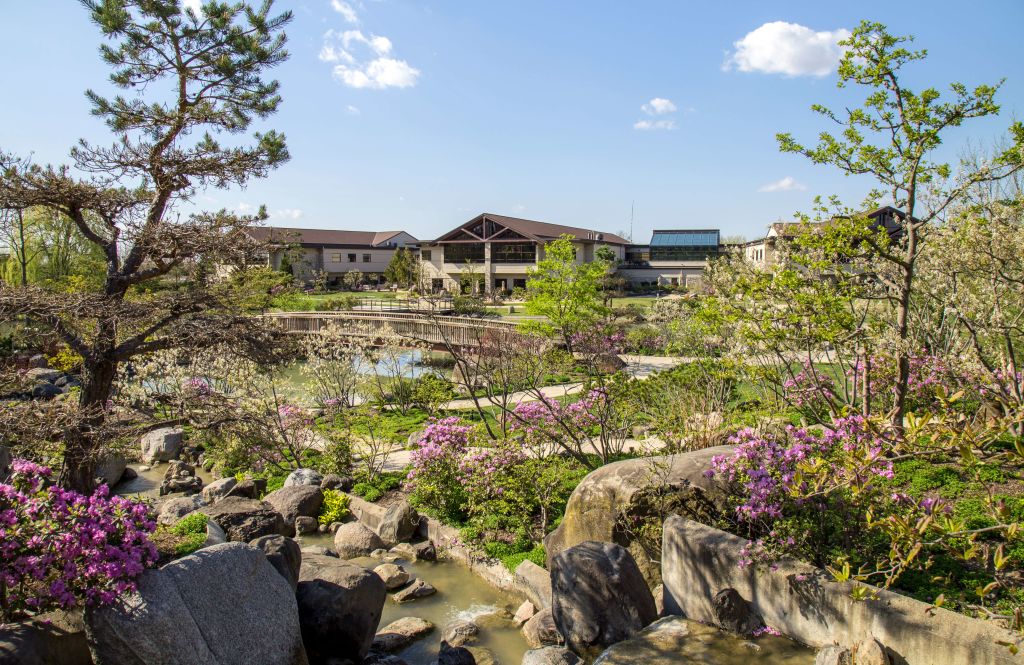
434	329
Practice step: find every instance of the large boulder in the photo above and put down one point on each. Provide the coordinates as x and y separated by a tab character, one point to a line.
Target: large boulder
284	555
392	575
599	596
355	539
218	489
296	501
536	582
612	500
401	633
340	605
180	477
304	477
43	374
540	630
399	524
111	468
56	638
245	520
224	605
417	589
161	445
170	511
45	391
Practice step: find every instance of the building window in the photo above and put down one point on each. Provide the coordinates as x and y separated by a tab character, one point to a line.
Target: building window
351	258
366	258
464	253
513	252
425	254
336	257
436	285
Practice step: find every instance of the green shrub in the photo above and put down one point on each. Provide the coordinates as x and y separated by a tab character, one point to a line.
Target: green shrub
334	508
192	531
536	555
367	491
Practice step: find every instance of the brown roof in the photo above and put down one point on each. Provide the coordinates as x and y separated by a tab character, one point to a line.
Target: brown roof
321	236
544	231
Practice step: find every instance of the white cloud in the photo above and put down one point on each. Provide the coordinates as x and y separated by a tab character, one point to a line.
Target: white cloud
648	125
344	9
287	213
365	62
659	106
195	5
352	110
787	184
788	48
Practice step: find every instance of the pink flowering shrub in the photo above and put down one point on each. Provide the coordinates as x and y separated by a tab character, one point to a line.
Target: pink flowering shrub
436	478
801	493
60	549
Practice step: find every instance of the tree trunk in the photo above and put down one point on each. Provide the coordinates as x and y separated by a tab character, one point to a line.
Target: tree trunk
82	445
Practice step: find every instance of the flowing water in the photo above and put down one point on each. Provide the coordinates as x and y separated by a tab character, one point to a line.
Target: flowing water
460	595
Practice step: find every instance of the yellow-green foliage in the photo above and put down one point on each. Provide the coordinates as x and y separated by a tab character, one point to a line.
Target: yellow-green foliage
65	360
334	507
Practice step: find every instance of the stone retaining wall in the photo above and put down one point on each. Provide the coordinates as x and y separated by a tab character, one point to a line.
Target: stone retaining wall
804	603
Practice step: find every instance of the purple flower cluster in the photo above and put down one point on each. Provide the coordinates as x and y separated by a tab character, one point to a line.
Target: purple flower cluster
598	343
443	441
61	549
540	419
769	474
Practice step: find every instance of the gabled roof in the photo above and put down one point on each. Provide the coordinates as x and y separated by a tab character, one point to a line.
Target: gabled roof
284	235
500	227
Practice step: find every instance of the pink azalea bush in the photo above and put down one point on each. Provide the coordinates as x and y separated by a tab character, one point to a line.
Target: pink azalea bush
61	549
799	493
435	477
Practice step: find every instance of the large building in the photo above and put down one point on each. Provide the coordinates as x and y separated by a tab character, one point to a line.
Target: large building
492	253
673	257
335	252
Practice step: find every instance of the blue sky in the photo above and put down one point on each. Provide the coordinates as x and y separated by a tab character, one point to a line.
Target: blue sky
428	113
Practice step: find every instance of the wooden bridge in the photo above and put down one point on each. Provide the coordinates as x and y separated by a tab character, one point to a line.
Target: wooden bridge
432	329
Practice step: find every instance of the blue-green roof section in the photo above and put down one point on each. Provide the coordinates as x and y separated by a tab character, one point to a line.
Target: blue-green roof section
688	238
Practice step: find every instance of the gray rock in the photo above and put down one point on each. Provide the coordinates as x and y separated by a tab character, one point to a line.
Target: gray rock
536	582
45	391
541	631
333	481
224	605
524	613
401	633
425	551
172	510
333	527
550	656
392	575
340	605
161	445
619	492
449	655
418	589
599	596
460	632
318	550
180	477
245	520
404	551
38	361
111	469
56	638
129	474
354	539
218	489
482	655
659	599
671	635
399	523
284	555
305	525
246	489
870	652
43	374
304	477
296	501
734	613
833	655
